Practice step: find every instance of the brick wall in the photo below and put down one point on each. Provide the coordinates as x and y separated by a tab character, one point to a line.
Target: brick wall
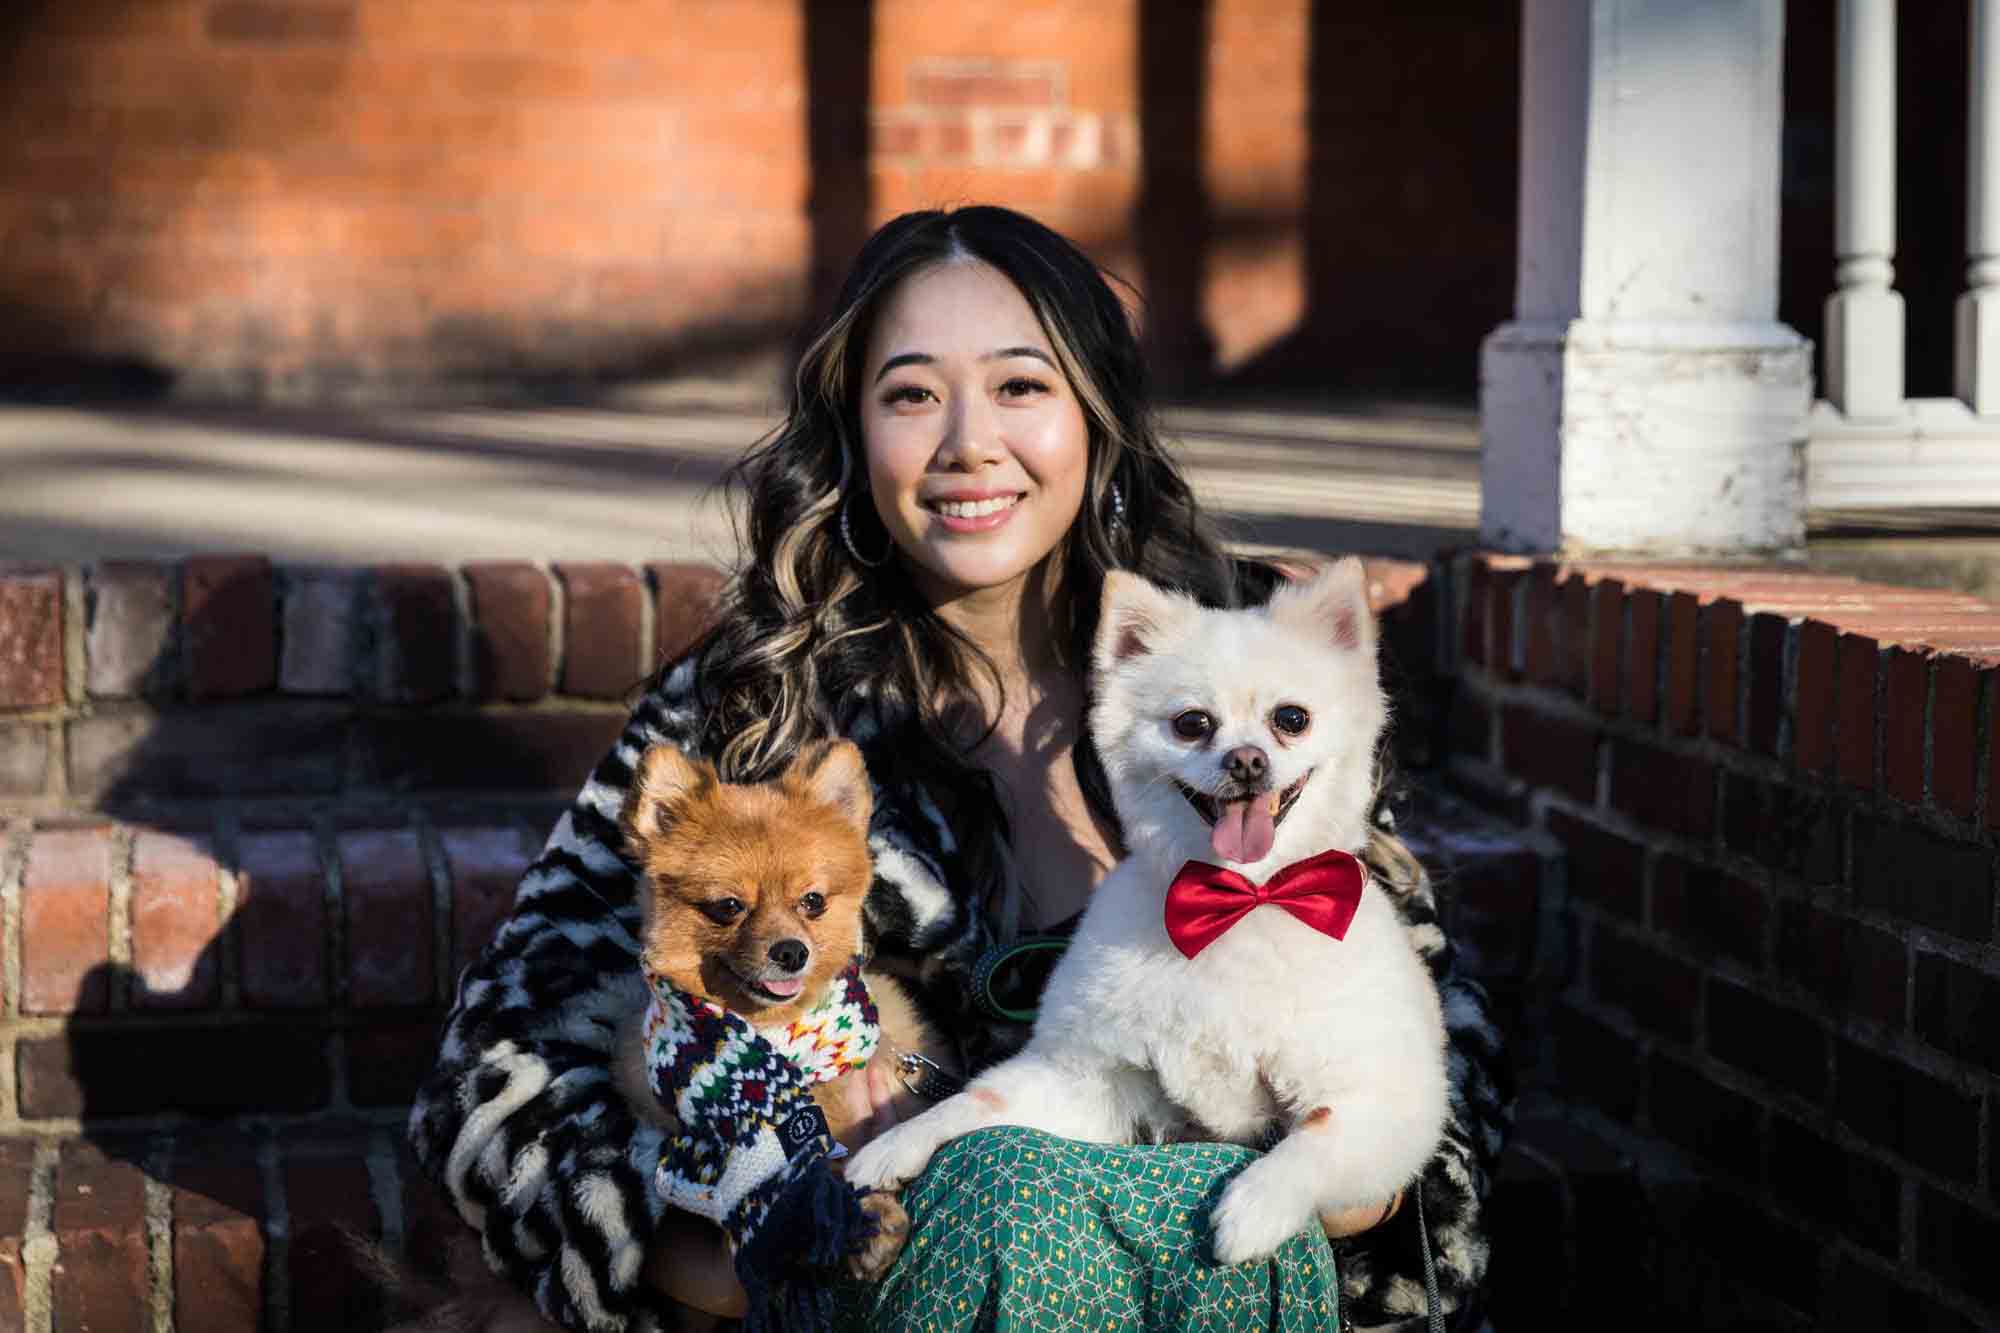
1776	998
323	198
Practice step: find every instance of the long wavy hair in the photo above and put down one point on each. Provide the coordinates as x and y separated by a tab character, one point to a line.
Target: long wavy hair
803	627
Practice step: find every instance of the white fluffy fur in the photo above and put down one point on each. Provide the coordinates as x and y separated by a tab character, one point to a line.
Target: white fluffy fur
1272	1021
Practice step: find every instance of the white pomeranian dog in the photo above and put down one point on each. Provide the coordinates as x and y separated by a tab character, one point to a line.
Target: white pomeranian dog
1236	976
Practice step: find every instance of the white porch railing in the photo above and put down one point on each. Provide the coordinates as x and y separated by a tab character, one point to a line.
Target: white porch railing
1868	445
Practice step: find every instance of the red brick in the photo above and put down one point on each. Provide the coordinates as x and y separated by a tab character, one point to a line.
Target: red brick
1905	691
1595	1062
1956	1243
1543	650
1475	644
1853	969
65	922
1605	870
1915	875
1911	1113
1857	1195
1683	649
128	637
319	620
229	634
1663	789
1608	619
1470	725
1954	734
601	620
1504	599
1709	910
387	889
414	603
1766	1040
281	919
1661	993
486	867
1722	632
1575	638
684	606
1958	1010
1764	705
510	630
218	1245
102	1071
1813	699
1855	663
1549	751
1645	609
31	638
99	1221
24	759
17	1160
1694	1111
330	1294
127	752
175	921
431	1227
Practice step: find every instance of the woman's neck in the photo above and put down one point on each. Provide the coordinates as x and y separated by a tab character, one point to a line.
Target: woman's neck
1011	624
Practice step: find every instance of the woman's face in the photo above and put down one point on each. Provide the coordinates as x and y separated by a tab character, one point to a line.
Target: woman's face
976	444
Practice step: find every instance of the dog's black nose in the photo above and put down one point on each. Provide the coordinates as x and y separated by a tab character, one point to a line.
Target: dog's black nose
1246	763
790	954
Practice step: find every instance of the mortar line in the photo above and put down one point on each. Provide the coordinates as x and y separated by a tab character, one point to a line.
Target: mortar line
324	834
558	608
277	1238
431	843
38	1241
118	920
160	1237
227	833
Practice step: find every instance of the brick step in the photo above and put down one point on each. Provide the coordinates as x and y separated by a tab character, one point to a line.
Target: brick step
210	1233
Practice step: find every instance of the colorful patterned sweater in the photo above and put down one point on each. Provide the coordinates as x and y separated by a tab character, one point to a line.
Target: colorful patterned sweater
522	1126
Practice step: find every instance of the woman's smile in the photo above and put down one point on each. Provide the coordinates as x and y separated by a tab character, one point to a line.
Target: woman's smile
974	513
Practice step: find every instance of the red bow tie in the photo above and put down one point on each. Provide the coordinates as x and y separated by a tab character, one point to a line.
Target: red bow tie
1323	891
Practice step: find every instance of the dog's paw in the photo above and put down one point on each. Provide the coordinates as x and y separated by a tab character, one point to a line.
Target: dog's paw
1258	1212
892	1227
890	1160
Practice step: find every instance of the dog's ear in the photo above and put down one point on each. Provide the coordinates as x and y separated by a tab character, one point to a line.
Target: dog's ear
833	773
666	780
1332	605
1130	617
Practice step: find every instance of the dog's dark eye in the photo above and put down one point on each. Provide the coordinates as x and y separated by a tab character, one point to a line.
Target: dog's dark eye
812	904
1193	725
1290	719
722	911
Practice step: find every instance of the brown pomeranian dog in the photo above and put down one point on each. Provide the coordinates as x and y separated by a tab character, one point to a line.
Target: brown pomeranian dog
752	900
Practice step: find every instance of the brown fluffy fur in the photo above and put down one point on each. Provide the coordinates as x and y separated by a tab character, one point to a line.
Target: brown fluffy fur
699	840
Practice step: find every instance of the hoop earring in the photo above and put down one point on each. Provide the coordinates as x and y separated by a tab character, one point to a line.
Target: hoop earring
1117	507
847	538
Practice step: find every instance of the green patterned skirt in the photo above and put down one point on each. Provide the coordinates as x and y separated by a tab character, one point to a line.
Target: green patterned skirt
1013	1229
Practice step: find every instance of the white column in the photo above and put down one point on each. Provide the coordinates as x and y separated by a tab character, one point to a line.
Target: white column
1864	318
1977	369
1645	397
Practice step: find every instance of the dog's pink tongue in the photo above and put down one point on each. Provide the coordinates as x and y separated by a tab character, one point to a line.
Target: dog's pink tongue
786	989
1244	830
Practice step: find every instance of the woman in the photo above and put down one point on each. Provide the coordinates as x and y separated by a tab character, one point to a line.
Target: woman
967	451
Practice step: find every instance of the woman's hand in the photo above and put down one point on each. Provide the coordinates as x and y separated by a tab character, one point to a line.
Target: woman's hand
1354	1221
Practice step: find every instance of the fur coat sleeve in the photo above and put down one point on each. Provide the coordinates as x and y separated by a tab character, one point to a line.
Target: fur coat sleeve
521	1124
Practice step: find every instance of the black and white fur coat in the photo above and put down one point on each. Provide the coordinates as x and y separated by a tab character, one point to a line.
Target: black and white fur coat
521	1124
